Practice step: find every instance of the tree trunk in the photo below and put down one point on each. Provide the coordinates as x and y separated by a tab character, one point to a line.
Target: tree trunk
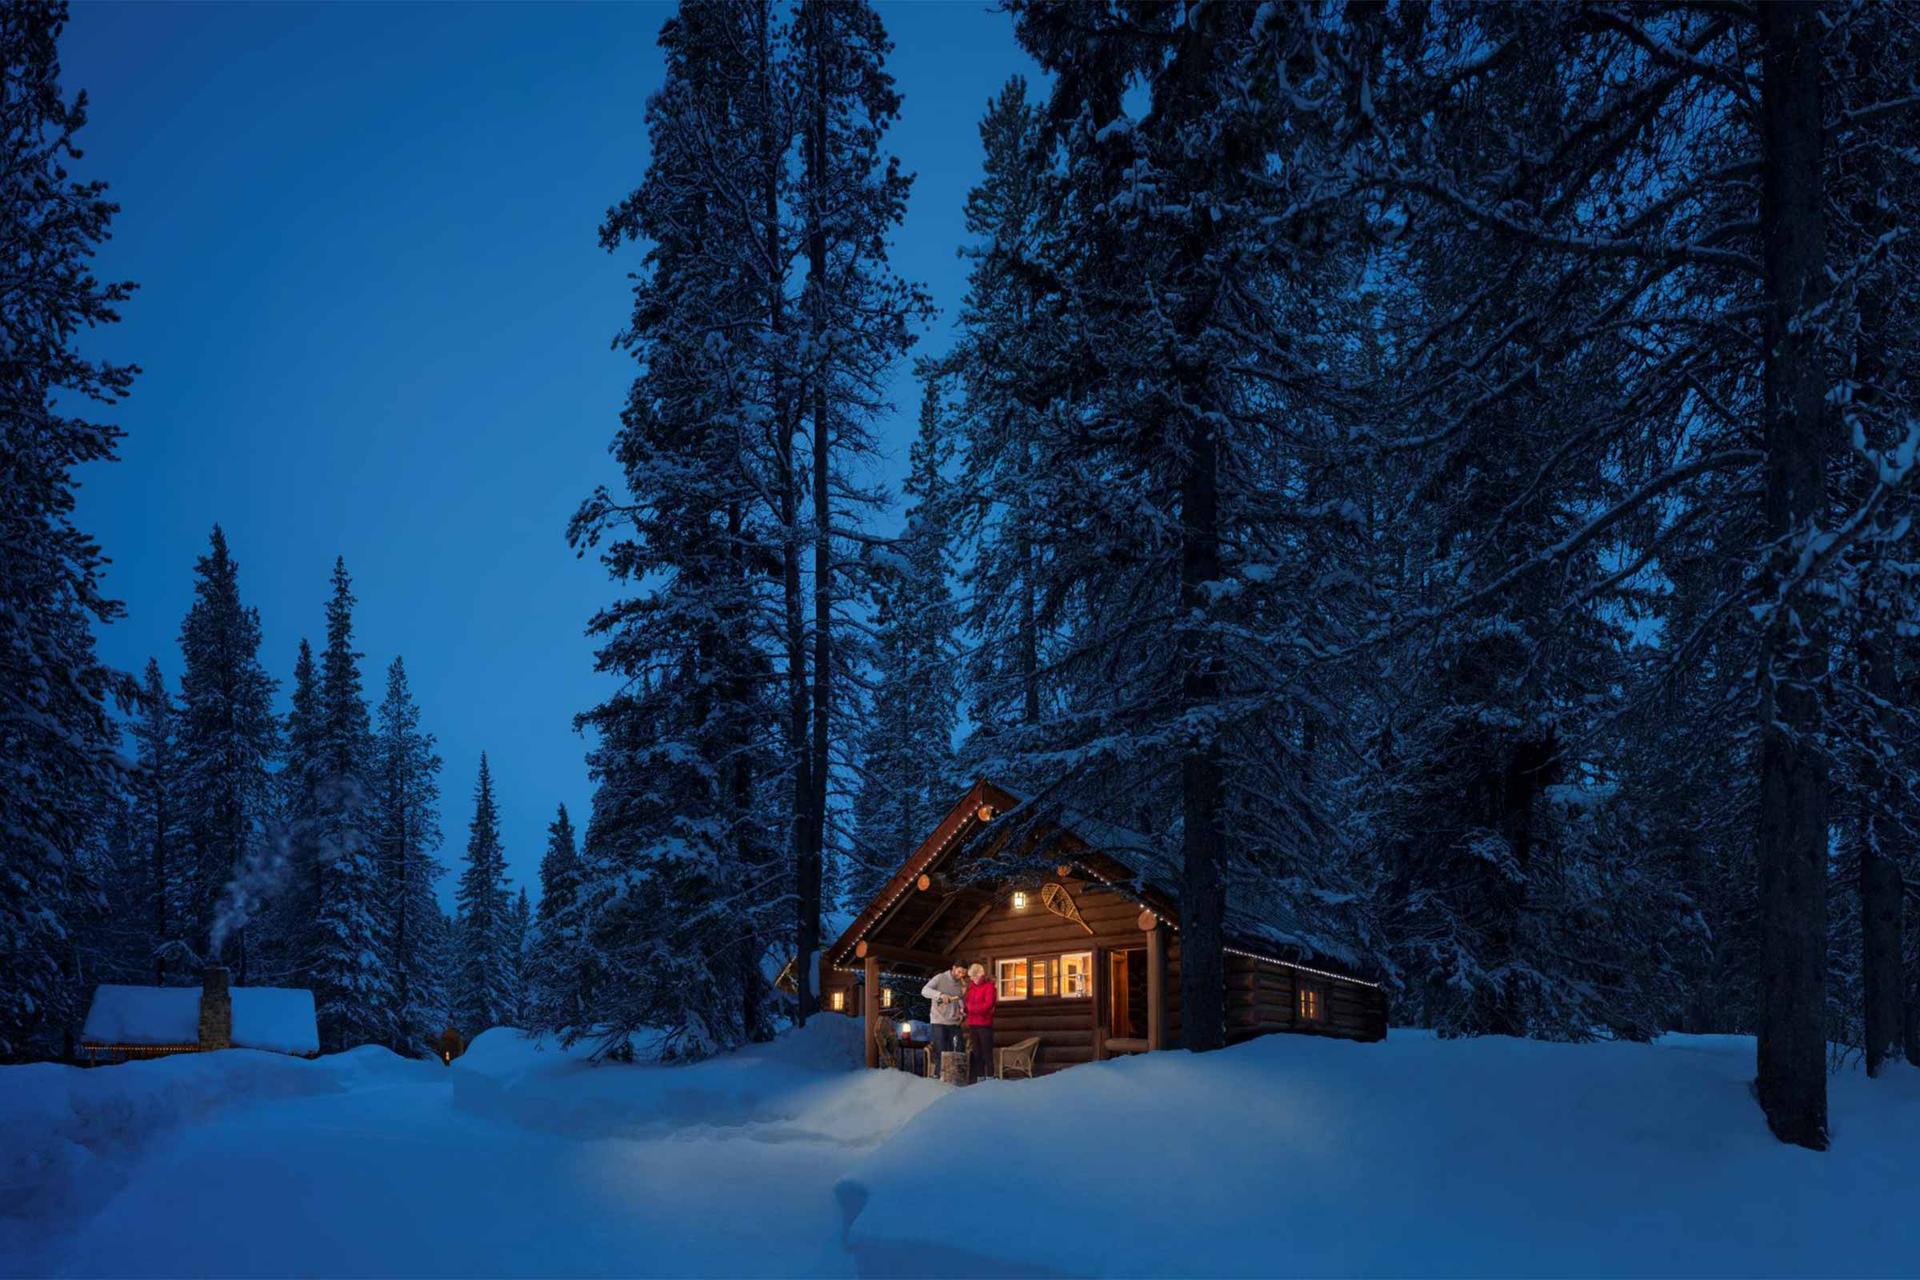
1203	899
1882	958
806	921
1792	1081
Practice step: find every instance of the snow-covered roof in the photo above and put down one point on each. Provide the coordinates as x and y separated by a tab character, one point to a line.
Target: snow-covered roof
277	1018
143	1015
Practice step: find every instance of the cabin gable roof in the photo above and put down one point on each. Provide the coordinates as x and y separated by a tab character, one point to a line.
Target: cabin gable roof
1124	862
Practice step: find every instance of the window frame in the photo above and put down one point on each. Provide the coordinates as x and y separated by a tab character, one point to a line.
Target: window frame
1310	1002
1052	965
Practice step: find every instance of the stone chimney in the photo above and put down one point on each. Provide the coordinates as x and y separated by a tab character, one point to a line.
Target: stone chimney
216	1009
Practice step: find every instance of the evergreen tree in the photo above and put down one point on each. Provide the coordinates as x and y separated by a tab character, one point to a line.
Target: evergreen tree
227	740
483	993
407	826
850	197
1009	362
156	828
353	987
556	991
906	760
56	738
519	933
675	909
291	943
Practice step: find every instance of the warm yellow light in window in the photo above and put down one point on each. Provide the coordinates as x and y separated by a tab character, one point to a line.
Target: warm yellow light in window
838	1001
886	997
1076	974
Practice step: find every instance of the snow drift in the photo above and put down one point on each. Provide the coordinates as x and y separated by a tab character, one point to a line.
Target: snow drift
1299	1156
806	1083
73	1134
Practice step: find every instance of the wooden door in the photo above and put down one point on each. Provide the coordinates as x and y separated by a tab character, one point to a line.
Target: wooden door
1119	1008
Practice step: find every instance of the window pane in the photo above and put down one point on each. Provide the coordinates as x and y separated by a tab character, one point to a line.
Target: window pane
1040	973
1012	979
1075	972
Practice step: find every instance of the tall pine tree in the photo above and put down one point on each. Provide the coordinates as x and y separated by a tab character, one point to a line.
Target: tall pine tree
156	826
352	980
906	759
227	740
406	833
483	994
57	741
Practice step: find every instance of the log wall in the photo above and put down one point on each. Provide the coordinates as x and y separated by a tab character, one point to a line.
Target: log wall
1263	997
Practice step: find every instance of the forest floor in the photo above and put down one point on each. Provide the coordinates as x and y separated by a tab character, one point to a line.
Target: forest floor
1281	1157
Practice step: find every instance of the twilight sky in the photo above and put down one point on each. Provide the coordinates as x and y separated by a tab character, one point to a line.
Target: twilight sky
374	321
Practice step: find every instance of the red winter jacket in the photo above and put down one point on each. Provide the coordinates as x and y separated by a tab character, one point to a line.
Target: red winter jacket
980	998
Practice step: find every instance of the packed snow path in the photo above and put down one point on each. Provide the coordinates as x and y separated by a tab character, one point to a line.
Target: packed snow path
1287	1156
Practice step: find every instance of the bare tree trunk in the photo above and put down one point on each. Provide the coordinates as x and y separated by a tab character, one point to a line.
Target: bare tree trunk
808	873
806	922
1792	1081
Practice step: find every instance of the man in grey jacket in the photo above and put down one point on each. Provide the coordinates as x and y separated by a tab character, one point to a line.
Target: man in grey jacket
948	993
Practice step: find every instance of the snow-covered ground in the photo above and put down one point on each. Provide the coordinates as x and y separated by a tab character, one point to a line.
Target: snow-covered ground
1285	1156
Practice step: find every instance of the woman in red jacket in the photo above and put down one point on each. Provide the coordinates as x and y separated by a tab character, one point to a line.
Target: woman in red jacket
980	1000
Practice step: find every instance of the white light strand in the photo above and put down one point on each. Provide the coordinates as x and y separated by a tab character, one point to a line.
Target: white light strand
1318	973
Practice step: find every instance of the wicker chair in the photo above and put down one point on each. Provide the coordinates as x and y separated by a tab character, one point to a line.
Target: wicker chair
886	1043
1022	1057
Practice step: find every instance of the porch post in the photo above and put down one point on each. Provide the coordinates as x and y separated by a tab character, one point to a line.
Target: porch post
1157	986
1097	989
870	998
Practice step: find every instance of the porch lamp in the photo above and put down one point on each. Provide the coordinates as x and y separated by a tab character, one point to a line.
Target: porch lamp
1019	900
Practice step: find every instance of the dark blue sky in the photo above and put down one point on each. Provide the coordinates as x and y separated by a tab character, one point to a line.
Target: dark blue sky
374	321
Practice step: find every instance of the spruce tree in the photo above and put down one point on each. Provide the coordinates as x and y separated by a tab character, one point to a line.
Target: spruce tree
483	993
519	932
56	737
906	759
156	826
353	988
677	902
556	990
227	740
407	832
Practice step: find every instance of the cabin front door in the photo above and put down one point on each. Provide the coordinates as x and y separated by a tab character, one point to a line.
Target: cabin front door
1127	994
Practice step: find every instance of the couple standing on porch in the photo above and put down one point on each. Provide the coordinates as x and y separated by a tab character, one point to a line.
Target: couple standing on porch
963	993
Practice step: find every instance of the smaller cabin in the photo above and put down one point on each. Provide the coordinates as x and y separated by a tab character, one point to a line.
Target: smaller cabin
1078	924
126	1022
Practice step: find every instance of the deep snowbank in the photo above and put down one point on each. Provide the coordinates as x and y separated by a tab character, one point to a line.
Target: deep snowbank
806	1083
71	1134
1292	1155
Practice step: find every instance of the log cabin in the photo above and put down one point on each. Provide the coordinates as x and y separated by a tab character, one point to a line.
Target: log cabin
1078	923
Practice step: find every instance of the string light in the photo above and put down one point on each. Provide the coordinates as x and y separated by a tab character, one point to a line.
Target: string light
910	882
1288	964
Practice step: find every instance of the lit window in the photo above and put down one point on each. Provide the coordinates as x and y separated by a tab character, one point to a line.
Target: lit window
837	1001
886	997
1040	978
1076	974
1010	976
1312	1002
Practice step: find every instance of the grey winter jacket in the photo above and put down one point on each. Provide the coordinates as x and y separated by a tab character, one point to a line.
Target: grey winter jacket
948	996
